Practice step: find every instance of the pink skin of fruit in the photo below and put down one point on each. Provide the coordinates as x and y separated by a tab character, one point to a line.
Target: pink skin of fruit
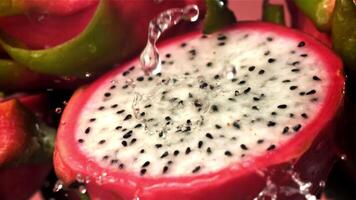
39	31
311	152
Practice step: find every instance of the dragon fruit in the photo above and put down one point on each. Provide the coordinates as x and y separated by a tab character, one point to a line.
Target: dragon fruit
232	115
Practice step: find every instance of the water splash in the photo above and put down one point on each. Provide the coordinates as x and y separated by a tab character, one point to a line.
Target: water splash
149	58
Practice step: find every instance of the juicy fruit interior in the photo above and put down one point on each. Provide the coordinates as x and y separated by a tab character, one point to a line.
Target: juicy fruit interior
218	100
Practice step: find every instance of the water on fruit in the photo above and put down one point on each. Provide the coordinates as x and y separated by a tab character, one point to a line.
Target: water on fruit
149	58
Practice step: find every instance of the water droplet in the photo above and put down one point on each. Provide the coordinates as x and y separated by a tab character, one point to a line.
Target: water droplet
58	110
87	75
149	58
322	183
343	157
58	186
82	189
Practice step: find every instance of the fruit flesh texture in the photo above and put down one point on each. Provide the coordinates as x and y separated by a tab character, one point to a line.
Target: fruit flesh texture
251	102
225	182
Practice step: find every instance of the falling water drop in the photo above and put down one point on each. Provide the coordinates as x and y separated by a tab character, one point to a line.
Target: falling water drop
58	110
58	186
149	58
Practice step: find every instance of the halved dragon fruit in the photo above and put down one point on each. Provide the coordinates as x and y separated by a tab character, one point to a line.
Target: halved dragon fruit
243	113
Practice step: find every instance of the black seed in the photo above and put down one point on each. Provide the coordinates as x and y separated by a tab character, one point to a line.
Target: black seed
215	108
168	118
297	127
254	108
87	130
121	165
105	157
208	135
158	146
261	72
260	141
163	62
301	44
125	86
187	150
107	94
203	85
271	60
114	161
165	169
267	53
271	147
138	126
183	44
292	52
196	169
127	135
295	63
243	147
285	130
301	93
232	99
271	123
293	87
142	151
143	172
124	143
273	113
120	111
168	55
133	141
145	164
222	37
129	116
233	138
217	126
247	90
175	153
251	68
311	92
101	108
132	68
197	103
208	150
282	106
291	115
193	52
112	87
159	74
189	121
256	99
141	78
216	76
304	55
295	70
114	106
126	73
234	80
204	36
101	142
314	100
200	144
80	140
236	125
228	153
242	82
165	154
150	78
315	78
118	127
269	39
286	81
304	115
209	64
92	120
221	43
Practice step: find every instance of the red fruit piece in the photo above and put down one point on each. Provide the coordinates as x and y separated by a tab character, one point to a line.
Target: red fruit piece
243	112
